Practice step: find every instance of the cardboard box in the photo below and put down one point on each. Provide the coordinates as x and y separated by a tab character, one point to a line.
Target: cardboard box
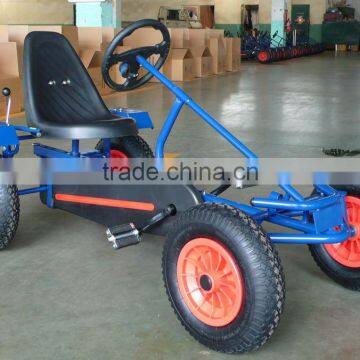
69	31
17	33
233	54
165	69
98	38
341	47
202	61
8	59
92	60
182	65
86	55
143	37
215	33
4	33
15	85
90	38
96	73
9	77
218	53
108	35
179	38
197	38
93	41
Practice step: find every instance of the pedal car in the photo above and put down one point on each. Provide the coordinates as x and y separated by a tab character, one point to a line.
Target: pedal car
222	273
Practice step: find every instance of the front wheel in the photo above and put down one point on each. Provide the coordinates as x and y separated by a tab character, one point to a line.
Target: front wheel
341	262
223	278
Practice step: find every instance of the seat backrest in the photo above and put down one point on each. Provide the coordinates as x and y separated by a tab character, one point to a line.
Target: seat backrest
58	89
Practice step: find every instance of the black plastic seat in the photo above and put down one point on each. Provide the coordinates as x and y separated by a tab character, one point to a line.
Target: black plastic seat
60	97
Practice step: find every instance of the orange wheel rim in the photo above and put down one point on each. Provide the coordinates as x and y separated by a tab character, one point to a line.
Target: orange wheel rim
119	160
348	252
210	282
263	56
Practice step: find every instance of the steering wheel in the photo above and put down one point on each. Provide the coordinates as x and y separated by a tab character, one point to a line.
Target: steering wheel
128	65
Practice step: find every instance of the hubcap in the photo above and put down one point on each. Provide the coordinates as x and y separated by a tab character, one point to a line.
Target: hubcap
210	282
348	252
205	282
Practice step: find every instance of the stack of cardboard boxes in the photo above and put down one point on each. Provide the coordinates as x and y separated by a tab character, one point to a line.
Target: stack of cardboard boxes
194	53
10	77
197	53
93	42
12	38
344	47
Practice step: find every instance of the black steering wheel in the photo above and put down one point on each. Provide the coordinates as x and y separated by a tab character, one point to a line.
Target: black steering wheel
128	65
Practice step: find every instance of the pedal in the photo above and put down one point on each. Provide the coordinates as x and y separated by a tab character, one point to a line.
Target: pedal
123	235
127	234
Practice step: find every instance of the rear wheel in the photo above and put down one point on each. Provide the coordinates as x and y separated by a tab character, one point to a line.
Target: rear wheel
341	262
223	278
9	214
125	148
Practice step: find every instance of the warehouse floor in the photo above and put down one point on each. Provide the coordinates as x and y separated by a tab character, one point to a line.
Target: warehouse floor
65	294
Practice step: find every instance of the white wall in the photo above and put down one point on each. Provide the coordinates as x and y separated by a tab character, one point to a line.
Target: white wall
228	11
133	10
35	12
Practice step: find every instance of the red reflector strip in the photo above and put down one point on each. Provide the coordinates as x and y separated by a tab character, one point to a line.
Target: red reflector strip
123	204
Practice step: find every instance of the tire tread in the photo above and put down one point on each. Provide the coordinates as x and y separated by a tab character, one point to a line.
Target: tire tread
9	214
268	263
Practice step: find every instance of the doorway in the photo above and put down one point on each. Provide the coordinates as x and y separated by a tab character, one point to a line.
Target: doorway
250	17
300	15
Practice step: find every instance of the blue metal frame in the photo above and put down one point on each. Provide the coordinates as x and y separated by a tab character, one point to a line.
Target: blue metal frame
316	217
319	219
183	99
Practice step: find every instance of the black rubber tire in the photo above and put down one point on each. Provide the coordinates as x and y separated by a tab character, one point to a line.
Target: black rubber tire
261	269
132	146
345	276
352	190
9	214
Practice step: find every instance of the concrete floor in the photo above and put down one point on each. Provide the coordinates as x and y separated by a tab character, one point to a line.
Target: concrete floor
65	294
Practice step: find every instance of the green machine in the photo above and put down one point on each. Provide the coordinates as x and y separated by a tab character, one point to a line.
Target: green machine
341	32
341	28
